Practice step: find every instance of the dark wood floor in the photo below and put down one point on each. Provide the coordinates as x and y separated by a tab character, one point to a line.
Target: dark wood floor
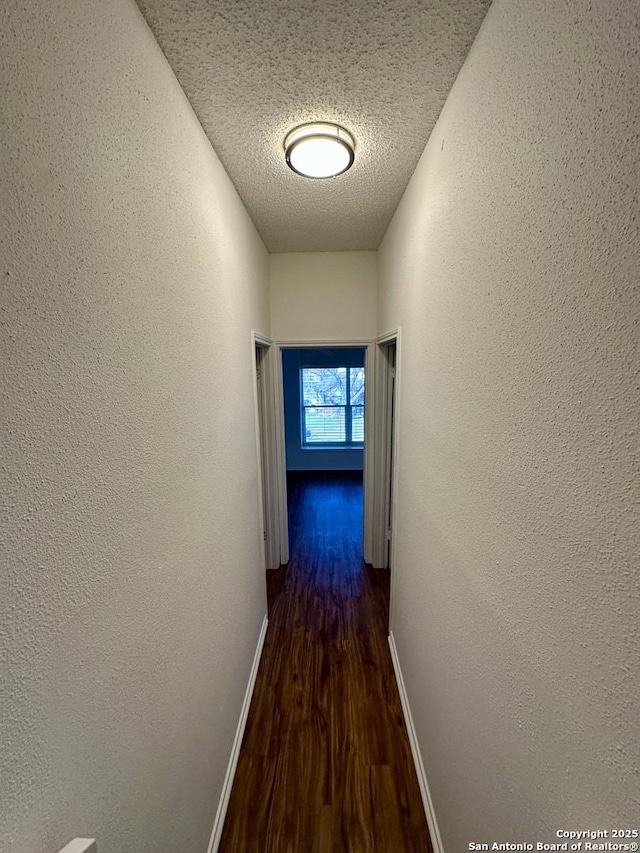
325	765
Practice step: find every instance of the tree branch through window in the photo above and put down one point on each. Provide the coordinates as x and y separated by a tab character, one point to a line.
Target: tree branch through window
332	406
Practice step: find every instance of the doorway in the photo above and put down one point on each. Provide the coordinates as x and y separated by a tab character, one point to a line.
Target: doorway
324	425
379	451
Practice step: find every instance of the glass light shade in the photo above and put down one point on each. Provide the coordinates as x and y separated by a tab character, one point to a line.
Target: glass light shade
319	150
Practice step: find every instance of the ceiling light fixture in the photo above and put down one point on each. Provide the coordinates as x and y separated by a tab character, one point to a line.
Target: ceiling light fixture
319	150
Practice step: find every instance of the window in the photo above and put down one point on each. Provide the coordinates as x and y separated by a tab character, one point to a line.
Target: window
332	409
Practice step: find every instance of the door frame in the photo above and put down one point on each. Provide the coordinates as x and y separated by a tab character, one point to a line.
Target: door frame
387	463
278	412
270	483
376	467
385	451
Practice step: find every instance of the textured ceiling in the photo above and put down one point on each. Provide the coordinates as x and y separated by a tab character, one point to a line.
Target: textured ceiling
253	69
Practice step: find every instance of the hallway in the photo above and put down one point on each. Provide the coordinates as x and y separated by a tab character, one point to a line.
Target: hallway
149	240
325	763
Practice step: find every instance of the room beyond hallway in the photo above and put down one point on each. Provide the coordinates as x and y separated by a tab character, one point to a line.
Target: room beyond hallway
325	763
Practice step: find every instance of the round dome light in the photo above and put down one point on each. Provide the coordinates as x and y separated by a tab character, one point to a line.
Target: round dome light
319	150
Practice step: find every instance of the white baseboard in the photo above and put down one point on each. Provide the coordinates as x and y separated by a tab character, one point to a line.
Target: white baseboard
80	845
436	841
218	824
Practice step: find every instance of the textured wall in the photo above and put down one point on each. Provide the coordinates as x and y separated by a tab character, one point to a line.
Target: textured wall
512	265
323	296
132	590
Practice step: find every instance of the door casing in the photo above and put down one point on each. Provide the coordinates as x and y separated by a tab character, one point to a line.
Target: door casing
377	462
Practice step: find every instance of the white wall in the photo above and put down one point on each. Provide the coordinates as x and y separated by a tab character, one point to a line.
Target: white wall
132	591
512	265
323	296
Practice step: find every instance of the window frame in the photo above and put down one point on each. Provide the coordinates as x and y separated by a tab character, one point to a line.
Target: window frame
347	444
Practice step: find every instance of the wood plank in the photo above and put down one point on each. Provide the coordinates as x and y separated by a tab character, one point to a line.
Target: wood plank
325	764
